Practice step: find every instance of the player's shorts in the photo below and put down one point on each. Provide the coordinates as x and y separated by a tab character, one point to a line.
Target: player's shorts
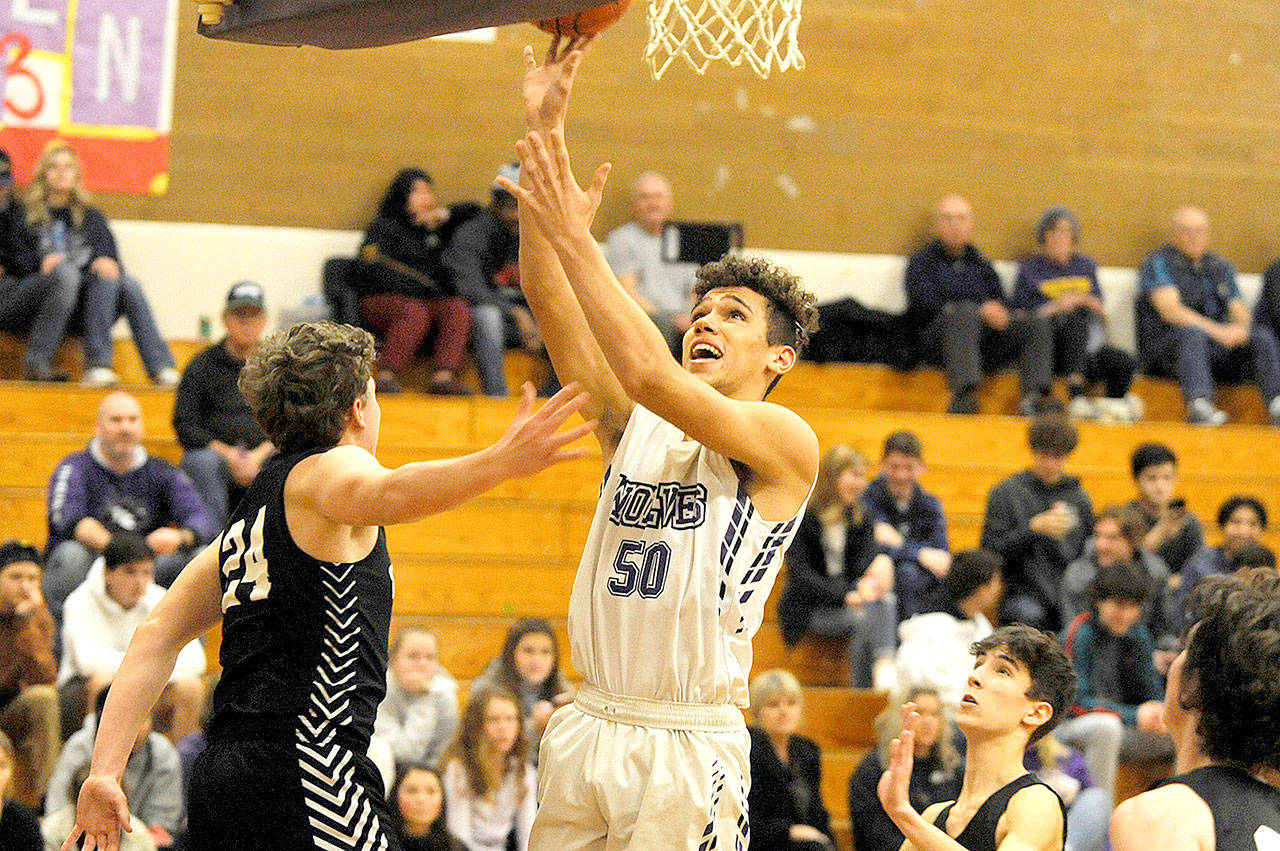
280	795
616	772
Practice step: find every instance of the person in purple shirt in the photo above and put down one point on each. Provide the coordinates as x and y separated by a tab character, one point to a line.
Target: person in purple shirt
114	485
956	306
1059	286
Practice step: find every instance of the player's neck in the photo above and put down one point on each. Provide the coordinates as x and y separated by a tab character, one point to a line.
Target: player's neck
990	764
1187	746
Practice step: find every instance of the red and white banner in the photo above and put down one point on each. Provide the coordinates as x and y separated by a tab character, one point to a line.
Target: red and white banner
98	73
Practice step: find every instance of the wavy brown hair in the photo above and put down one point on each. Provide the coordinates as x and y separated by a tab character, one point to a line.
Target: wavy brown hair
825	503
37	199
471	749
301	383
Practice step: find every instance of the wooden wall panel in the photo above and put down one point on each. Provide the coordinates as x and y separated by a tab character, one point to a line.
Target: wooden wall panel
1121	109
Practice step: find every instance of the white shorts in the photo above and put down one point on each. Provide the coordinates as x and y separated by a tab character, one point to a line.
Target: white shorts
619	773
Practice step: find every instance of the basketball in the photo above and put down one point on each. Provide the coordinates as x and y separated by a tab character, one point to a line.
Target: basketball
587	22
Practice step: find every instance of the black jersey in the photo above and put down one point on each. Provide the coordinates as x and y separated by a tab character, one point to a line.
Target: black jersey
1246	812
304	642
980	833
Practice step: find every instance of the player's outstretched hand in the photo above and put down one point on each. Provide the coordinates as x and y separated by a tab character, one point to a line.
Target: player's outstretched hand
534	440
895	783
547	86
101	813
559	206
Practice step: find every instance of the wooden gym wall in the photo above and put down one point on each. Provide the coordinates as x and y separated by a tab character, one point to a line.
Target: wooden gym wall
1120	109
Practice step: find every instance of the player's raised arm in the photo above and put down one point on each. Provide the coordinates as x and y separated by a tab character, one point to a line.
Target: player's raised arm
726	415
570	344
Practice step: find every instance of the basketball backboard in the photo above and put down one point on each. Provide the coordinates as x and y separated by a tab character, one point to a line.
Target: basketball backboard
342	24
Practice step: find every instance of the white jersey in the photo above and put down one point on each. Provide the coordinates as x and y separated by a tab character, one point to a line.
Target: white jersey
675	574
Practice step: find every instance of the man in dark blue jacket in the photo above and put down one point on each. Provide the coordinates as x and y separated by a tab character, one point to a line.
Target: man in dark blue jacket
956	305
114	485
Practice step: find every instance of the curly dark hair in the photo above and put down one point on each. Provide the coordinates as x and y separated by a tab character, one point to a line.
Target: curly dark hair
301	383
793	315
1239	501
1053	680
1232	671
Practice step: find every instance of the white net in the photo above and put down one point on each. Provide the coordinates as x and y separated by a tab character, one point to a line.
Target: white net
762	33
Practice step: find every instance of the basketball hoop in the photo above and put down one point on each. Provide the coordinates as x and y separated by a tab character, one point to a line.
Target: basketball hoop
758	32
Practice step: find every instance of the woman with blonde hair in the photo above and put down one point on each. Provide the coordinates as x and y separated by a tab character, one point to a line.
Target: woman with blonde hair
76	242
839	583
785	801
489	786
936	774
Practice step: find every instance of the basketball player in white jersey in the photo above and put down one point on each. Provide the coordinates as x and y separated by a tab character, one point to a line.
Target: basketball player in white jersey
704	484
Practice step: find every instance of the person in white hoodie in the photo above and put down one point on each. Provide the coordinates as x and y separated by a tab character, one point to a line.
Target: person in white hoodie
419	716
99	619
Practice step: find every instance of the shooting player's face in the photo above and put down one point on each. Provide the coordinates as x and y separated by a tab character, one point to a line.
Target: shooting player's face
727	344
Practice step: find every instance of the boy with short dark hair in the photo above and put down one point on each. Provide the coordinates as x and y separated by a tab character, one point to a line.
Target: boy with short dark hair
1018	690
1170	531
909	523
1111	650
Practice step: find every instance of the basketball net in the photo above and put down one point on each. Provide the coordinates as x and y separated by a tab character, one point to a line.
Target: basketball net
758	32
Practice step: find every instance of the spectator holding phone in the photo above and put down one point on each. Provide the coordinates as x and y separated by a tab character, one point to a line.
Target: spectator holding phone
1171	532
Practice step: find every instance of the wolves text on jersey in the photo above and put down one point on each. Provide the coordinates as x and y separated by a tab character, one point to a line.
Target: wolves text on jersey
641	505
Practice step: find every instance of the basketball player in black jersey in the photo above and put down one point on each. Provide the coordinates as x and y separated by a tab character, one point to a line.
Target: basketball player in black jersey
1021	684
1222	707
301	581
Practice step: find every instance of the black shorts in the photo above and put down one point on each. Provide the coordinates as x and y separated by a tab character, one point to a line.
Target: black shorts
285	796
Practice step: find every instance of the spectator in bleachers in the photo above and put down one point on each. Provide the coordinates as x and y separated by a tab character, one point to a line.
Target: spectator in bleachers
529	668
1038	521
1112	652
1171	531
1088	806
489	783
909	523
957	307
32	304
57	825
19	829
1117	539
1059	286
418	811
1267	310
785	800
1242	519
634	251
28	700
419	716
111	486
934	649
152	777
99	620
1193	324
483	265
404	289
1252	555
936	774
223	446
76	242
839	584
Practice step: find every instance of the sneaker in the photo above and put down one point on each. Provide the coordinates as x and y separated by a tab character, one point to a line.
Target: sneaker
385	382
1084	408
1202	412
44	372
100	376
168	378
963	402
449	388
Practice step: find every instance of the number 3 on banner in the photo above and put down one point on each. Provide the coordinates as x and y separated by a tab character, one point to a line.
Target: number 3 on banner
15	68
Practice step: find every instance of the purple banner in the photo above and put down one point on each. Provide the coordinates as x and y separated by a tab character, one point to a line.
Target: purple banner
119	63
43	21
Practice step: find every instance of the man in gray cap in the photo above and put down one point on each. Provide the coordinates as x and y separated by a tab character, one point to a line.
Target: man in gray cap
223	445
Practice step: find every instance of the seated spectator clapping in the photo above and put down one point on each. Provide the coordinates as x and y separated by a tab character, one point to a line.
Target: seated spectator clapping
101	616
419	716
28	701
152	777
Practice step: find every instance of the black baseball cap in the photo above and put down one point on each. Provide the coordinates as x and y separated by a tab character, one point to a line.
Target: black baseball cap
246	294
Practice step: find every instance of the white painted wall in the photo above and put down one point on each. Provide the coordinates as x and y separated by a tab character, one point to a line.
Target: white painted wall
187	268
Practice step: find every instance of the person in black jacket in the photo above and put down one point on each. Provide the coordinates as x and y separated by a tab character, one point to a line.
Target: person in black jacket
785	801
31	304
839	584
935	775
1038	520
403	285
223	446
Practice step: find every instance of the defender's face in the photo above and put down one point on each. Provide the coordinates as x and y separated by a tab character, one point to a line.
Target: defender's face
995	700
727	343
